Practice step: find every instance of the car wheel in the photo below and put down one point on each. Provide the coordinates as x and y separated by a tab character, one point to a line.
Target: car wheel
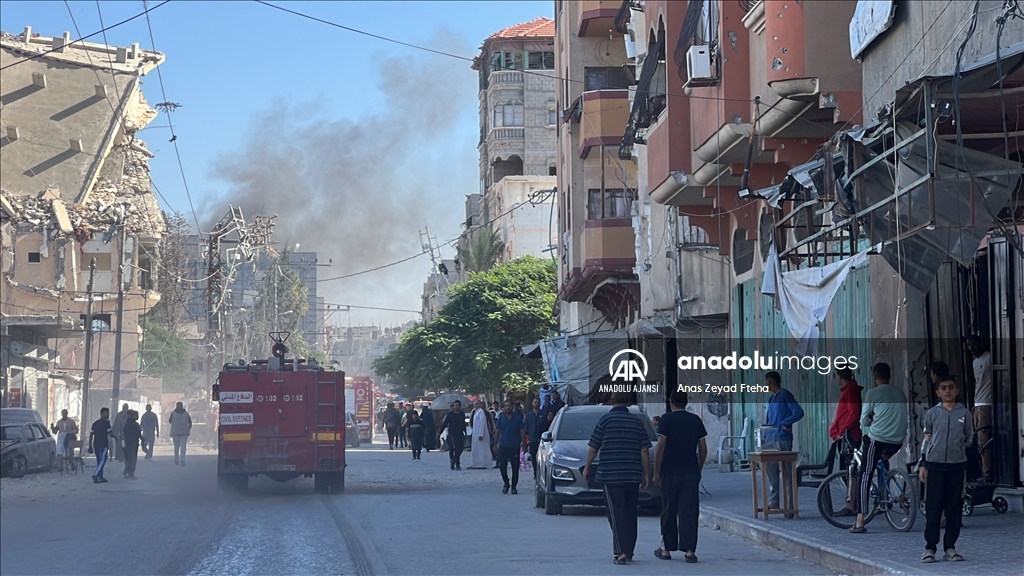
18	467
50	462
359	441
538	497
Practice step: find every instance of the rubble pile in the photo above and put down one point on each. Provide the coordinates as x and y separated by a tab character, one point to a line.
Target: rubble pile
130	201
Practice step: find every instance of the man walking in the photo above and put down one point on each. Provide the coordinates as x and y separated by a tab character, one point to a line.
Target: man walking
509	439
532	427
131	436
119	421
783	412
392	420
66	430
682	450
983	400
621	439
181	426
403	417
551	411
884	419
99	442
455	422
429	428
150	431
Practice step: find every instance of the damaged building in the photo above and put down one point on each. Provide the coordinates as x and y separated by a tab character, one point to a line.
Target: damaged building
811	178
75	189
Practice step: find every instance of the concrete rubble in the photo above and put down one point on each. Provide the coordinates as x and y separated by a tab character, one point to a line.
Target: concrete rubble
110	202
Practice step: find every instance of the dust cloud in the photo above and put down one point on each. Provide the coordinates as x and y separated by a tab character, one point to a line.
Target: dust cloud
356	187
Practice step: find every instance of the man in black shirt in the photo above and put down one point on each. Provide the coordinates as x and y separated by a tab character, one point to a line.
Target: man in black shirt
99	441
552	409
680	455
131	435
150	425
392	420
455	422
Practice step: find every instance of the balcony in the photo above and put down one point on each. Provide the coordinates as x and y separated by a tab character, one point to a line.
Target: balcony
505	77
508	133
607	251
604	119
597	17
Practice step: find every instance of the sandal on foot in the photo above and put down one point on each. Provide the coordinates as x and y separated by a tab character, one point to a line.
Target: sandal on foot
858	529
691	558
928	557
844	513
659	553
953	556
619	561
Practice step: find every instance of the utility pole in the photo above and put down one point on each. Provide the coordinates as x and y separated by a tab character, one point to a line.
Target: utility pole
115	396
87	371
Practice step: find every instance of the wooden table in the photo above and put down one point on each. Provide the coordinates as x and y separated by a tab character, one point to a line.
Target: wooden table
789	497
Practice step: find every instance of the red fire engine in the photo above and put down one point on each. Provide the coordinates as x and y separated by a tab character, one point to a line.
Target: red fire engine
282	418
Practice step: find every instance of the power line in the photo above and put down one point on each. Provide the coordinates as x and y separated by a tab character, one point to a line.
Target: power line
83	38
170	124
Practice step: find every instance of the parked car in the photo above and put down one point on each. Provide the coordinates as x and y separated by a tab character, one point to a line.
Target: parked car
351	431
19	416
25	447
563	454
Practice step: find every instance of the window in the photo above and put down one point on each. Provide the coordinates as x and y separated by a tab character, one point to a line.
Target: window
100	322
198	366
609	203
34	257
540	60
606	79
509	114
552	117
507	61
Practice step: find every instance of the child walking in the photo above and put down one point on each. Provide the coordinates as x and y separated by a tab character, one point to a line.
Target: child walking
414	427
948	432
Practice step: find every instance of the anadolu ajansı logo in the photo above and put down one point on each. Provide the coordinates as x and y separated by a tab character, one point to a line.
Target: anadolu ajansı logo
627	369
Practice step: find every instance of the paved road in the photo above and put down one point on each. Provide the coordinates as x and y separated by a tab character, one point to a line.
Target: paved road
398	516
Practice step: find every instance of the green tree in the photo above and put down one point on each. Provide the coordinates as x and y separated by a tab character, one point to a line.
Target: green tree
165	355
481	250
472	344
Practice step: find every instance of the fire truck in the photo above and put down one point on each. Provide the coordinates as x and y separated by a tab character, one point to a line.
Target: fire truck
360	390
281	418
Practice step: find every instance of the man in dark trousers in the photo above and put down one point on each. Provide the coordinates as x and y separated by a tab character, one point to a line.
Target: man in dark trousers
682	450
119	421
455	422
150	425
392	420
181	427
429	428
131	435
99	442
532	426
622	441
509	439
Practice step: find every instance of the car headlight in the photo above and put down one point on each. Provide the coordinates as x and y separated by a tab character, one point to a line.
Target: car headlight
557	456
560	473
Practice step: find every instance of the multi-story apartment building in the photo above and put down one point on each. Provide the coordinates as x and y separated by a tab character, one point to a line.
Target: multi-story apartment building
75	187
525	213
596	189
775	140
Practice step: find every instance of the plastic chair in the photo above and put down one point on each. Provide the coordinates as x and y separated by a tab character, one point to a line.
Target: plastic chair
738	450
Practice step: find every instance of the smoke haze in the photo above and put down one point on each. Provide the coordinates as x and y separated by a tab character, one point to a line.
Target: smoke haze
356	190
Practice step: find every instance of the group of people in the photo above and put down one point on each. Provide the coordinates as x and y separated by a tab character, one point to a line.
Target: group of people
407	428
878	422
129	432
621	444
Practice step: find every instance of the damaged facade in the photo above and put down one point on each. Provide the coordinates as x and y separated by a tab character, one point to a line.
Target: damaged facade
875	184
75	187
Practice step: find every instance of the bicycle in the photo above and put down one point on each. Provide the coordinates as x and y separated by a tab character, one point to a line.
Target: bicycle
897	496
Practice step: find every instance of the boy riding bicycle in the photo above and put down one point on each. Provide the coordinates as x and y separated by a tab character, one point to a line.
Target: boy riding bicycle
884	421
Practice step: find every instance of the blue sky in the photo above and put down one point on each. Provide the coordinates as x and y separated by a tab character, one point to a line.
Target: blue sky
317	124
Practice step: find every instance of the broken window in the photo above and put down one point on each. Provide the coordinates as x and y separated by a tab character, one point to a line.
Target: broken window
608	203
100	322
540	60
34	257
507	61
607	79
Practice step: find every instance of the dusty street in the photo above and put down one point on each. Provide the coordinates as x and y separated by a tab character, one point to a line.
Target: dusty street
398	516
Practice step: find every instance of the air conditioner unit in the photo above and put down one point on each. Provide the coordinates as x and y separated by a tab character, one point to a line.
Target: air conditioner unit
698	63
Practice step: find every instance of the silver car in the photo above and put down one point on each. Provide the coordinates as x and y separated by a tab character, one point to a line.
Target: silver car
563	452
